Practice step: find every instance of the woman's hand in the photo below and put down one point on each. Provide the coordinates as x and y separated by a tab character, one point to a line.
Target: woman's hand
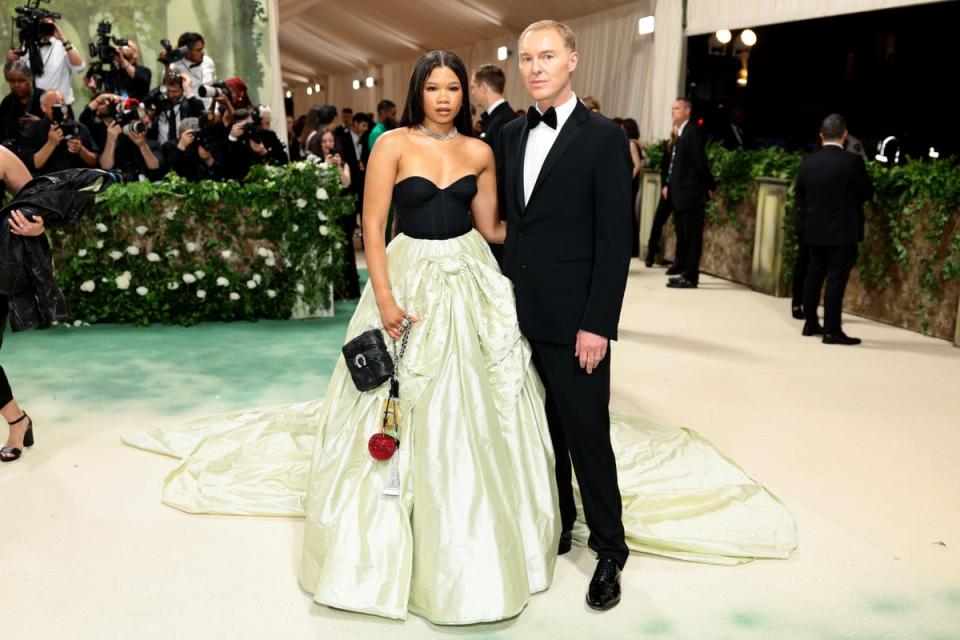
393	316
19	225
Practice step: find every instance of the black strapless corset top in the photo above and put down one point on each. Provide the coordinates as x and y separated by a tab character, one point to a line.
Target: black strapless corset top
428	212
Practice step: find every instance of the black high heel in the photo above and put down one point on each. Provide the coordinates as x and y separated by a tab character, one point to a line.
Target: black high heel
27	440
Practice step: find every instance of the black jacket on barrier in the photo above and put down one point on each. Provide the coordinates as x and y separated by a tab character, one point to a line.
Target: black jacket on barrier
26	268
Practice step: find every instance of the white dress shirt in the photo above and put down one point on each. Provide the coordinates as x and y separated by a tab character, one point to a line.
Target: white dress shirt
203	73
56	69
356	144
539	142
495	105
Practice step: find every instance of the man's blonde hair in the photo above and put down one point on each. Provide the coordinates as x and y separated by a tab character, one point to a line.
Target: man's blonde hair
569	37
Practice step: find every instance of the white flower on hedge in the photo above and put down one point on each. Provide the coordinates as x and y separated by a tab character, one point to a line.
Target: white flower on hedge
142	291
189	278
322	194
251	284
296	227
222	282
173	286
153	257
99	244
270	262
88	286
271	293
103	280
321	216
116	255
82	252
266	213
102	228
226	253
200	275
257	278
263	252
123	280
78	323
140	229
324	230
201	294
234	296
170	214
173	253
300	287
191	246
134	251
301	203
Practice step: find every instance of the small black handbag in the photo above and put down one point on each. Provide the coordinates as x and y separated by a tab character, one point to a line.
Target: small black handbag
368	360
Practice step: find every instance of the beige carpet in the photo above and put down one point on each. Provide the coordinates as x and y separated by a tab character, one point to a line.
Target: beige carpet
862	444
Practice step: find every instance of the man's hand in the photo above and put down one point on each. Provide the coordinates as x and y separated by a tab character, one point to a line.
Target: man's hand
13	55
26	119
186	139
55	135
664	191
236	131
74	145
139	139
591	349
113	131
258	148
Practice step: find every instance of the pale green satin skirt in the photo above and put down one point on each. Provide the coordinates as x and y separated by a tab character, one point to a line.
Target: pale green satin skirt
474	529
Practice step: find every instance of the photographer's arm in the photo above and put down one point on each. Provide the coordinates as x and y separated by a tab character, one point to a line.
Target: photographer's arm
149	157
74	59
54	138
108	157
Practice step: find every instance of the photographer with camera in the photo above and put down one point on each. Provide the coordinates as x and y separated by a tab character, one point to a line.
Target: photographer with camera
128	150
249	143
96	115
190	58
57	57
172	107
57	142
20	107
114	68
195	155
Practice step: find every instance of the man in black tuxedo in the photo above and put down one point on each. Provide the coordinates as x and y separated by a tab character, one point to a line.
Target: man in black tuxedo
566	176
486	91
832	185
689	183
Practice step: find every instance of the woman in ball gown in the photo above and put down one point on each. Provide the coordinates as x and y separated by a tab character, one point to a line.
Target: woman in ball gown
471	528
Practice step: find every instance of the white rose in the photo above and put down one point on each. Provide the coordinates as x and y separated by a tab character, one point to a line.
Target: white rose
103	280
301	203
173	286
321	216
263	252
296	227
257	278
300	288
271	293
201	294
234	296
153	257
140	229
78	323
251	284
266	213
270	262
88	286
142	291
191	246
170	214
173	253
226	253
102	228
322	194
222	282
134	251
123	280
189	278
82	252
116	255
324	230
200	275
99	244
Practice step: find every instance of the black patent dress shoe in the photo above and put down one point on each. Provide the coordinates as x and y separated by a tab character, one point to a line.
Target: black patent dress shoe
604	591
674	270
566	542
648	261
681	283
840	338
812	330
797	312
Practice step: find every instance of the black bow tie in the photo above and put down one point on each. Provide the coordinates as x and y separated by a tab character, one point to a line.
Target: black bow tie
548	118
46	44
194	65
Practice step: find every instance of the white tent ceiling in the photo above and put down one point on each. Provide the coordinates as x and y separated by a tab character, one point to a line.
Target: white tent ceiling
329	37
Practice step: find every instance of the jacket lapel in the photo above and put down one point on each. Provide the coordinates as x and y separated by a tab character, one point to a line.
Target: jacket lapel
571	129
521	154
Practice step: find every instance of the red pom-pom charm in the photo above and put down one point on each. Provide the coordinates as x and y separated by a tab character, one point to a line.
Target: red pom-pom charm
382	446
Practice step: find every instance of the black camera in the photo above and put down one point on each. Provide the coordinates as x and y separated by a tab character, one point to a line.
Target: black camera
61	118
104	51
31	20
157	99
127	115
213	90
254	130
172	54
201	138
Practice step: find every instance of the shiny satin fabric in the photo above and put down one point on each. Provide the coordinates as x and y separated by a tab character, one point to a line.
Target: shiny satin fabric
475	528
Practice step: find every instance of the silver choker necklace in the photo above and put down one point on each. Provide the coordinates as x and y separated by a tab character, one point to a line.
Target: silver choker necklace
439	136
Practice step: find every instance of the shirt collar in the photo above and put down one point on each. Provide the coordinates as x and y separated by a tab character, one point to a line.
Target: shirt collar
564	111
832	144
495	105
682	127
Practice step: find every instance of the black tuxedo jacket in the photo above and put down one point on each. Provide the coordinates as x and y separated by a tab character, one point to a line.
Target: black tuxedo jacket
348	153
690	178
568	249
832	185
502	115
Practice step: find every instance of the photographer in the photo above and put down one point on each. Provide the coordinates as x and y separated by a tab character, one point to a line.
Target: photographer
249	143
56	142
95	116
60	59
172	107
125	77
195	155
127	149
21	106
198	66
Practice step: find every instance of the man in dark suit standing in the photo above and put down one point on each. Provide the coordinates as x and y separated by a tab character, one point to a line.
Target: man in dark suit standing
689	184
566	175
832	185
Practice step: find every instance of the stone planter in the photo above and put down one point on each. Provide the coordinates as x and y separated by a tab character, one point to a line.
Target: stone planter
768	243
649	198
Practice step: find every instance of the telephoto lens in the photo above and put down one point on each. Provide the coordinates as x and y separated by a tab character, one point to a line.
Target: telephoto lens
134	127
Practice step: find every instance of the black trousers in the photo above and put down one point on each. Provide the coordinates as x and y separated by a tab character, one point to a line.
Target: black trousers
800	273
656	230
832	264
349	288
579	418
6	394
691	231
